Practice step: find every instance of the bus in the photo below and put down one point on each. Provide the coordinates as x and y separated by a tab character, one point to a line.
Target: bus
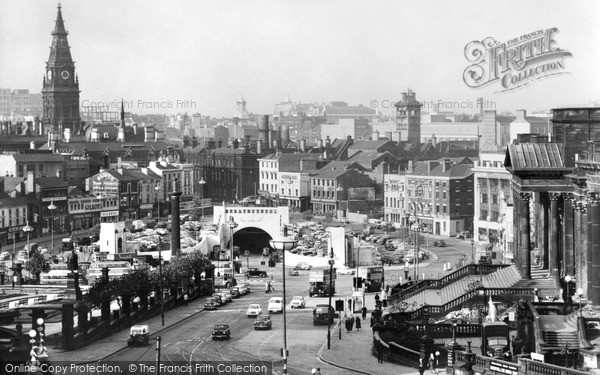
372	277
116	269
224	277
58	275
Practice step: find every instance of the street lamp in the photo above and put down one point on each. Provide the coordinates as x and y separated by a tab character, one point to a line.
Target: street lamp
568	281
52	208
37	340
330	318
232	225
162	297
406	272
472	251
437	361
202	182
247	255
27	229
158	188
284	244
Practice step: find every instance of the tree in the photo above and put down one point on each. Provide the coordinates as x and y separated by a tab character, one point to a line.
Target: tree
327	218
308	214
37	264
95	231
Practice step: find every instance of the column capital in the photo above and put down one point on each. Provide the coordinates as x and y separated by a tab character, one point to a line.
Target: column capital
568	196
554	196
525	197
592	198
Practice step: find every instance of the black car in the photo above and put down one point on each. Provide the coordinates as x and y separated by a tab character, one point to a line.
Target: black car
211	304
255	272
235	292
221	332
440	243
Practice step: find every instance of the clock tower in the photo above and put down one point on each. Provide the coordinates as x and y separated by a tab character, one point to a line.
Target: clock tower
60	92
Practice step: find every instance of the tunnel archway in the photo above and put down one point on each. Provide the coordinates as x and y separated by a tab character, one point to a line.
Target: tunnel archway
252	239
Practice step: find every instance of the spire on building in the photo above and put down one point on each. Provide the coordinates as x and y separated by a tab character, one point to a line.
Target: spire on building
60	52
122	114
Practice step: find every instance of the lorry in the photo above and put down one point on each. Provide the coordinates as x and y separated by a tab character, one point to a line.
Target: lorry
495	340
322	282
323	314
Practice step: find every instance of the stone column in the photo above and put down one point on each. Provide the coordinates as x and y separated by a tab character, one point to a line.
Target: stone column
553	256
594	293
543	229
568	245
583	250
524	227
516	234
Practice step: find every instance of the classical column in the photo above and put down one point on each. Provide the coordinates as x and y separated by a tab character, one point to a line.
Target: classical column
568	245
582	250
524	229
553	256
542	234
516	234
594	293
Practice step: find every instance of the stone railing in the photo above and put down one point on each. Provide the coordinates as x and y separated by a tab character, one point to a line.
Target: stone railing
529	366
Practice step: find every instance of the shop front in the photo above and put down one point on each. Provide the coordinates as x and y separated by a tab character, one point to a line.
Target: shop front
109	216
84	220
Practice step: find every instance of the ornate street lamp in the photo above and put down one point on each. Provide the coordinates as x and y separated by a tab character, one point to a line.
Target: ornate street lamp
232	225
27	229
568	297
284	244
52	208
202	182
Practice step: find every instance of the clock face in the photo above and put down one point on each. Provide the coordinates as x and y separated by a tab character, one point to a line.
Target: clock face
64	74
49	74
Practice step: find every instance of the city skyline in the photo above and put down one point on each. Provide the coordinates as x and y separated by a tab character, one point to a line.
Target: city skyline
192	57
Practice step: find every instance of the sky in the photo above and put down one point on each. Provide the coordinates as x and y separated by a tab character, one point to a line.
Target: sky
200	56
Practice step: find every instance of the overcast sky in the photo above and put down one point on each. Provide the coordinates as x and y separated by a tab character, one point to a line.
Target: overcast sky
210	52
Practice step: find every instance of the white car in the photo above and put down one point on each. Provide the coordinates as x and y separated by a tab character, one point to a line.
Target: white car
298	302
345	271
5	255
254	310
276	305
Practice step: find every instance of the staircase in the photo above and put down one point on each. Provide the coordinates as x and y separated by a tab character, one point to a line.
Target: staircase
559	331
540	279
506	277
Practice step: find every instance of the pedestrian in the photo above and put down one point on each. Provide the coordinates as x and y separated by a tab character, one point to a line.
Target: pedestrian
267	287
364	313
14	281
186	299
349	324
379	352
357	323
421	366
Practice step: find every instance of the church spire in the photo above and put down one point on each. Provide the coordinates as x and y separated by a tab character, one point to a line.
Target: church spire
60	52
122	114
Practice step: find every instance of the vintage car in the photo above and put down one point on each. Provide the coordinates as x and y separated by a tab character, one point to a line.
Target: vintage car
235	292
221	332
138	335
276	305
211	304
255	272
298	302
263	322
254	310
440	243
225	297
294	273
245	287
218	298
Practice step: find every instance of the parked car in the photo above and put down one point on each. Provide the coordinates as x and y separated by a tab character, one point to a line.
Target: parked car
255	272
303	266
5	255
440	243
221	332
138	335
263	322
464	235
245	287
293	273
211	304
218	298
234	292
225	297
345	271
298	302
275	305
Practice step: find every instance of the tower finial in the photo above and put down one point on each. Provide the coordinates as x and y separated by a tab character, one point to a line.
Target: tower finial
59	6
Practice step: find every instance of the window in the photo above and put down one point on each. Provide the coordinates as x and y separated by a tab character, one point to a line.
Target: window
484	198
494	198
444	211
483	215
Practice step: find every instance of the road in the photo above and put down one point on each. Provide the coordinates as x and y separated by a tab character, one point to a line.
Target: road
191	339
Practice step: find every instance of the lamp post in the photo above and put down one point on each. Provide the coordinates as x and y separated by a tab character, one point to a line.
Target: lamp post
52	208
472	251
37	340
284	244
27	229
437	361
158	188
160	281
247	255
202	182
568	296
330	318
406	272
232	225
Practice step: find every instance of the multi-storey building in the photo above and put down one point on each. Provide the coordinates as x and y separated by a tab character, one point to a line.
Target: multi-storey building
333	186
394	198
51	193
111	183
15	214
85	210
493	201
20	102
41	164
439	195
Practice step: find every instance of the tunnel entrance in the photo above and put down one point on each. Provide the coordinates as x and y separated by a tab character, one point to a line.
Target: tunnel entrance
252	239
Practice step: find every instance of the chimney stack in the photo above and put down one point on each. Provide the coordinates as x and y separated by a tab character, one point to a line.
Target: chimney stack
320	144
32	145
259	146
375	136
303	145
327	142
285	135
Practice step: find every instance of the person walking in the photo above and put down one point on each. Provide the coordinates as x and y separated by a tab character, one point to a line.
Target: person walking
379	352
267	287
358	324
364	313
186	299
